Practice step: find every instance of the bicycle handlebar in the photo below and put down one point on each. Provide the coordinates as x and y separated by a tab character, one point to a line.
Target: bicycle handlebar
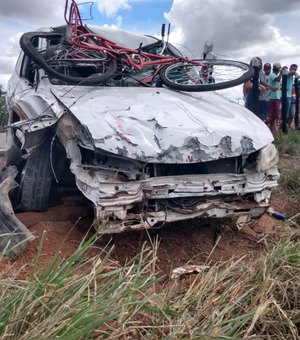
163	28
72	15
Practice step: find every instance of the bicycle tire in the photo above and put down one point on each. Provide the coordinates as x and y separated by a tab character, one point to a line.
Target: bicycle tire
186	76
26	43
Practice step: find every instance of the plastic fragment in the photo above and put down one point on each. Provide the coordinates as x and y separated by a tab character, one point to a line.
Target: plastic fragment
189	269
276	214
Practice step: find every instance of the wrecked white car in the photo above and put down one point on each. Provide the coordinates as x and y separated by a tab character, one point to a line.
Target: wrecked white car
142	155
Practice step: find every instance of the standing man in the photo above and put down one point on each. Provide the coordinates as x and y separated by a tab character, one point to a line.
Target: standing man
289	87
264	95
264	91
263	87
274	97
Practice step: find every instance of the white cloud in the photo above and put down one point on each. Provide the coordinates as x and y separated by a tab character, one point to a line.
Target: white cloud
45	13
119	21
239	29
112	7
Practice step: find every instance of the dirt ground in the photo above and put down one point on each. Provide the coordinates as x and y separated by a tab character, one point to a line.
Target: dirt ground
65	225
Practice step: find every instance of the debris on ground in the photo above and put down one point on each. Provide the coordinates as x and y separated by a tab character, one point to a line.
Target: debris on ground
14	236
189	269
276	214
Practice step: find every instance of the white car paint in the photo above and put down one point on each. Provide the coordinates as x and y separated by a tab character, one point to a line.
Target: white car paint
144	123
158	155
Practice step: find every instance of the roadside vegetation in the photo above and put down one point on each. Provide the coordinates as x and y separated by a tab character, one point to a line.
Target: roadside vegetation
289	146
84	297
288	143
89	298
3	111
291	182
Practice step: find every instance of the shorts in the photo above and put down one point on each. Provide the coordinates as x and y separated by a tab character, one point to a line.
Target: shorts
274	108
263	109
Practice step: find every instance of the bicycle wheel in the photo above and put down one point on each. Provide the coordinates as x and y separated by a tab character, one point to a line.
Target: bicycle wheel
60	60
209	75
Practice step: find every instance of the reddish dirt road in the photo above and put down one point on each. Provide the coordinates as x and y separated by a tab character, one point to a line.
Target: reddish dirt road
192	242
64	227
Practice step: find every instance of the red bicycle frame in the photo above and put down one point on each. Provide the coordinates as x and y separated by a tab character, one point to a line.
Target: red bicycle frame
136	60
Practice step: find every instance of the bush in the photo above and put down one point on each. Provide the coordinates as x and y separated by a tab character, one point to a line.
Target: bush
3	111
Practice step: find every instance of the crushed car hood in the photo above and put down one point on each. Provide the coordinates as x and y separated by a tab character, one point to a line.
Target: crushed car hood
165	126
128	39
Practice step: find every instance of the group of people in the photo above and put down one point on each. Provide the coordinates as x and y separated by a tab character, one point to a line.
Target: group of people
270	93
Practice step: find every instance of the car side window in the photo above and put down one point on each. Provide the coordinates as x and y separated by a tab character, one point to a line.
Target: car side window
28	69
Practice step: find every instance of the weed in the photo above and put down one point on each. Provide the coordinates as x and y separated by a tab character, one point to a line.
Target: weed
97	298
290	181
288	143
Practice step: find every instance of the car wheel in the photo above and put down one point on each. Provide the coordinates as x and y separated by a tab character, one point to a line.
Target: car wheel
36	180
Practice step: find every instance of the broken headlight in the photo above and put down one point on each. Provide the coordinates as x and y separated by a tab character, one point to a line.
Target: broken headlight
267	158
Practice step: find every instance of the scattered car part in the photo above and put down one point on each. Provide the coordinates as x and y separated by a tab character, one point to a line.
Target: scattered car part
188	270
14	236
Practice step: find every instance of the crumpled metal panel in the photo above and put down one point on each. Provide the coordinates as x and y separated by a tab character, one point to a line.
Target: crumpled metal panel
14	236
215	208
123	38
165	126
32	104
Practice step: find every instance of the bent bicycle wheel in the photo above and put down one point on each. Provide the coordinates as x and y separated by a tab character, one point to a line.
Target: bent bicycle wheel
205	75
62	66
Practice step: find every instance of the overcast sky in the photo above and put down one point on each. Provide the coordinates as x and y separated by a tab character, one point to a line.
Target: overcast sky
239	29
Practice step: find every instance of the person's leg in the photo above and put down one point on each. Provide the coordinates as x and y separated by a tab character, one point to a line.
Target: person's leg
288	107
249	101
277	108
271	116
263	110
291	115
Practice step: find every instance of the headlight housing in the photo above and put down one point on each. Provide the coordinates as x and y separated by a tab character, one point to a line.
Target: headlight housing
267	158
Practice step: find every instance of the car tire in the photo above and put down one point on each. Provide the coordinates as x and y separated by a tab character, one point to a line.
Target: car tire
36	179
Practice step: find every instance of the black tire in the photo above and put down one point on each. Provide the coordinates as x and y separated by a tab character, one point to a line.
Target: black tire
213	74
108	67
36	180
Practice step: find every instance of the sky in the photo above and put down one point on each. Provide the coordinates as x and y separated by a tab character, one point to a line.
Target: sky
239	29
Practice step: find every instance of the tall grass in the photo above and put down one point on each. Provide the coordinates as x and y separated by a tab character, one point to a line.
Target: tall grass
290	178
288	143
73	298
290	181
95	298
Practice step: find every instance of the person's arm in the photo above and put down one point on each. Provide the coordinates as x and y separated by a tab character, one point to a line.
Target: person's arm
268	86
278	78
263	88
247	87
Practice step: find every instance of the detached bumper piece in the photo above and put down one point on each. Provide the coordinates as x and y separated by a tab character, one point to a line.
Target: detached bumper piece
14	236
214	208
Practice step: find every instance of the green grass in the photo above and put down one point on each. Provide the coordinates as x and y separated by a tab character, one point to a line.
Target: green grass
289	178
288	143
95	298
290	181
86	297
